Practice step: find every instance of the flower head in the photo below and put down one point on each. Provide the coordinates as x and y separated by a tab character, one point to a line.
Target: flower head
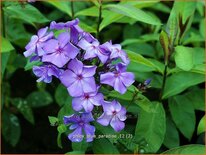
119	79
80	123
93	50
35	46
46	72
114	114
79	78
116	52
87	101
59	51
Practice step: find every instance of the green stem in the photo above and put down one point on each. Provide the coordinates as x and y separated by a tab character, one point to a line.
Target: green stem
99	20
163	81
133	99
72	9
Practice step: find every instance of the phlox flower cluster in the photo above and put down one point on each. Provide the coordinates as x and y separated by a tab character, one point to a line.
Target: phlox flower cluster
83	65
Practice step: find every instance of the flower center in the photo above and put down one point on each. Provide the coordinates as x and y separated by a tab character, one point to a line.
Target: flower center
59	50
81	123
114	113
116	74
86	96
79	77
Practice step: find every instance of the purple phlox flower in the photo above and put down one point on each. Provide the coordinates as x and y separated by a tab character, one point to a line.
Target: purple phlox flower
67	25
114	114
46	72
79	78
30	1
59	51
87	101
75	30
116	52
147	82
80	123
119	79
37	41
93	50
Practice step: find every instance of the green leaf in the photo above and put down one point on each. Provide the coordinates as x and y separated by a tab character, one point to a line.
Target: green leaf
53	120
6	46
28	14
138	59
87	28
62	96
164	41
132	12
197	97
202	28
39	99
11	129
182	81
62	128
184	57
187	149
172	136
30	65
183	114
24	108
66	110
92	11
104	146
81	146
63	6
184	9
201	125
151	128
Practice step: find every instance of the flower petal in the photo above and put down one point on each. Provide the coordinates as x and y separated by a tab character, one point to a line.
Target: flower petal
89	131
75	89
119	86
77	135
77	103
51	46
71	119
42	32
87	117
116	124
68	78
104	119
97	100
107	78
58	59
116	105
88	106
88	85
63	39
76	66
89	71
71	50
122	114
127	78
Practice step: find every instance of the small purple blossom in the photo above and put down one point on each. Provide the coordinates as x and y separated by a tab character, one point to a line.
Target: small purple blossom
93	50
46	72
80	123
79	78
59	51
87	101
35	46
114	114
119	79
116	52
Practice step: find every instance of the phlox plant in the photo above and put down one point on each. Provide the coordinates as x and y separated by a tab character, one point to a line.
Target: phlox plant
83	65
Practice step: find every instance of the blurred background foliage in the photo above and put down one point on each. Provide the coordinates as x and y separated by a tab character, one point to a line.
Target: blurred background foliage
164	41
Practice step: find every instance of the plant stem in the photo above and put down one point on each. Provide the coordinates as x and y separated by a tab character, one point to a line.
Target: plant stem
163	81
133	99
72	8
100	19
